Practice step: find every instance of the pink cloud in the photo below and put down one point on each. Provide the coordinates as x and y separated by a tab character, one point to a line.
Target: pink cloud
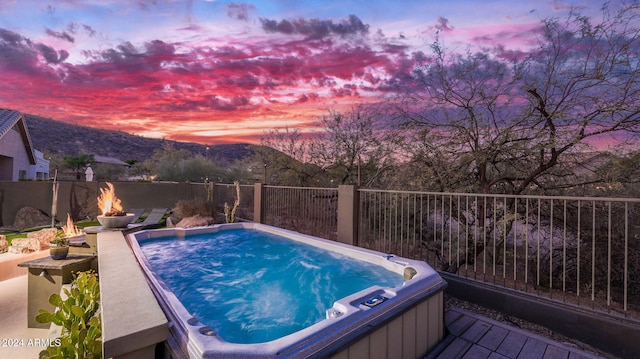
514	36
295	72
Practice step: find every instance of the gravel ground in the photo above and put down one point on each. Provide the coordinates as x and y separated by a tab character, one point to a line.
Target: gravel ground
522	324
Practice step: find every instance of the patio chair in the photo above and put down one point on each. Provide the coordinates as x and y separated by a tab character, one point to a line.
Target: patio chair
155	218
137	213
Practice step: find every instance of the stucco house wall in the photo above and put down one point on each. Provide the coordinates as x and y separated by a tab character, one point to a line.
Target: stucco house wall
14	158
16	152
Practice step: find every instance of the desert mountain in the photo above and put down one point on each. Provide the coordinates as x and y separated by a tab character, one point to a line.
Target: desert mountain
65	139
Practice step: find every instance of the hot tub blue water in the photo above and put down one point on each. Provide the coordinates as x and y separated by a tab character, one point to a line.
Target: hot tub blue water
248	290
253	286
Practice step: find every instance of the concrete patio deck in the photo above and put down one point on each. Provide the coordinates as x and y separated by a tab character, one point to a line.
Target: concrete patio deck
16	339
470	335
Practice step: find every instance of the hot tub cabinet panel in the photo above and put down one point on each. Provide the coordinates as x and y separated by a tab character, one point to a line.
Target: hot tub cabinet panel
410	335
378	322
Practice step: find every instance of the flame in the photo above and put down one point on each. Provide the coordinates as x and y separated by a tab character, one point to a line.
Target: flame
108	202
70	230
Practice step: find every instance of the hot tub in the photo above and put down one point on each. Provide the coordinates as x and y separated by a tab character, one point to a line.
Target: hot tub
402	318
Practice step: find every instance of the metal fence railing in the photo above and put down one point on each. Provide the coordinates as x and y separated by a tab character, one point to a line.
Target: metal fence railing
226	193
306	210
581	251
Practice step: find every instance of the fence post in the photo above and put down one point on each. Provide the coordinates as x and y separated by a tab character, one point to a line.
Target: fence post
258	203
348	214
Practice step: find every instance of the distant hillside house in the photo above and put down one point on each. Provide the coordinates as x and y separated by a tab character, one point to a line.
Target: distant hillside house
18	159
39	171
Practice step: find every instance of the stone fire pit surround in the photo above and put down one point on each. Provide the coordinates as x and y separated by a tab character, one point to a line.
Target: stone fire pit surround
115	221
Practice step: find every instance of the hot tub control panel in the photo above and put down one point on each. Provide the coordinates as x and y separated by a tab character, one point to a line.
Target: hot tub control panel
373	301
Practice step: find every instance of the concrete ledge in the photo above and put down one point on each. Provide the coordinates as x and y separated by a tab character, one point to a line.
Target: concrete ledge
132	321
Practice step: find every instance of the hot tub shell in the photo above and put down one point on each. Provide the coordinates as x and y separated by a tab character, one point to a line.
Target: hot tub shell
407	324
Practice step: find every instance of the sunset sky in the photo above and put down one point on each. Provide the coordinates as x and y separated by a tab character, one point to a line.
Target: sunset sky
214	71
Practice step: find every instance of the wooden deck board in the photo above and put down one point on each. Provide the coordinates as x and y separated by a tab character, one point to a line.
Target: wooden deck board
477	352
494	337
471	336
574	355
476	331
554	352
512	345
460	325
532	349
450	316
456	349
495	355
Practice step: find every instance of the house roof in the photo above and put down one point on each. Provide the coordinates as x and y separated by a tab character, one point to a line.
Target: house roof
11	118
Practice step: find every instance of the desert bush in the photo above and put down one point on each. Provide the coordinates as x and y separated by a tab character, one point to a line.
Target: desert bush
79	317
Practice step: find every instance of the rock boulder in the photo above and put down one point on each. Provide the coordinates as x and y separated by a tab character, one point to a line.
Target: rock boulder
29	217
195	221
4	245
24	245
44	236
35	241
18	249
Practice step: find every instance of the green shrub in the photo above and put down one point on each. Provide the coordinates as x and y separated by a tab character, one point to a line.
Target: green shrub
78	316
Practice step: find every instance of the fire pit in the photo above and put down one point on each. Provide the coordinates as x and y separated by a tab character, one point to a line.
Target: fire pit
73	233
121	221
112	214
